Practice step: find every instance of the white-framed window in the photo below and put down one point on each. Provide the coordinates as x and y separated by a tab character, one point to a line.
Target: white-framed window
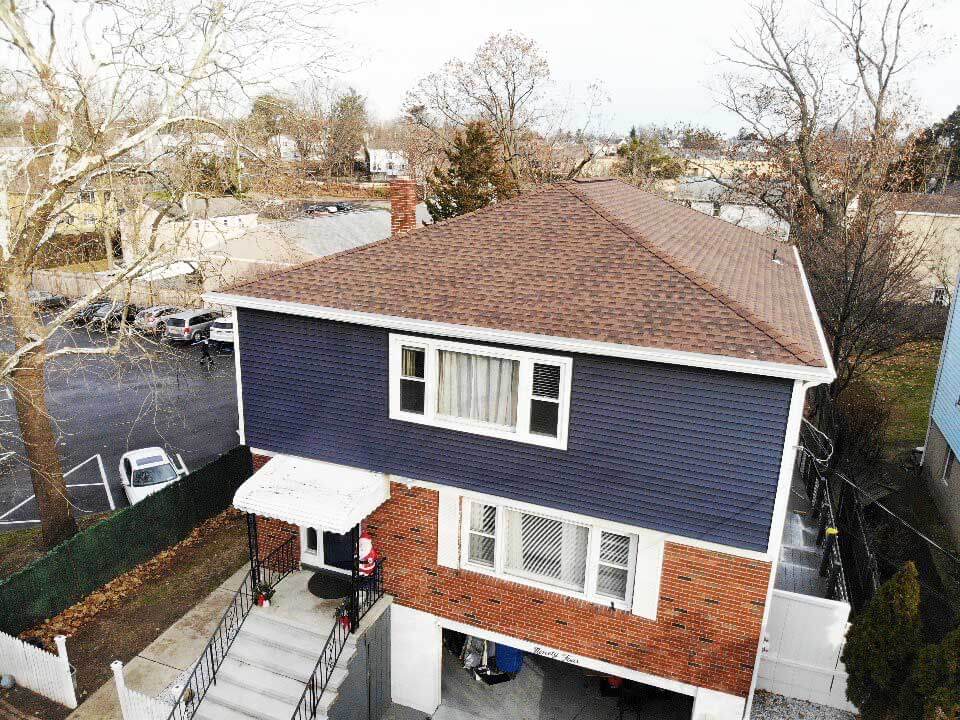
490	391
574	558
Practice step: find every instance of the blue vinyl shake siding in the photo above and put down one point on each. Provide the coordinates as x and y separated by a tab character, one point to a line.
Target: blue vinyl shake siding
686	451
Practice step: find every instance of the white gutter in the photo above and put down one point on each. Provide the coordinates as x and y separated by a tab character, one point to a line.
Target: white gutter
815	375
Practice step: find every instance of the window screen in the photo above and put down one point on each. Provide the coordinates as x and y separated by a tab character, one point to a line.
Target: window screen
545	403
483	531
613	570
412	380
546	549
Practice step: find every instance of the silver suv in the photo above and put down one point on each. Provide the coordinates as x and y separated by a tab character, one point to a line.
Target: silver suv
190	325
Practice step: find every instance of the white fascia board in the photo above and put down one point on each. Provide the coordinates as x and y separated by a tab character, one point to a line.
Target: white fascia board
816	375
824	348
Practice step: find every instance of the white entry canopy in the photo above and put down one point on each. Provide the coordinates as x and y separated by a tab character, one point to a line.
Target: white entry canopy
312	493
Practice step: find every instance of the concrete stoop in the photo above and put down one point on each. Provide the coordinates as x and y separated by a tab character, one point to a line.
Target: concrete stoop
267	668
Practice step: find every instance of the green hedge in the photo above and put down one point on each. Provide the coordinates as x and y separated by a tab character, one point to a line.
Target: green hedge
88	560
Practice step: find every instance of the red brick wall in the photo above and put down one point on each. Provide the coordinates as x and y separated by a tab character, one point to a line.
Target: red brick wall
403	206
707	626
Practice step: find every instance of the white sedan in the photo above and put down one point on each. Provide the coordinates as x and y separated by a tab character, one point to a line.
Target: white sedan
144	472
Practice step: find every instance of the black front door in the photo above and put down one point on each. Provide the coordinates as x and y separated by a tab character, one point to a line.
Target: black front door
338	550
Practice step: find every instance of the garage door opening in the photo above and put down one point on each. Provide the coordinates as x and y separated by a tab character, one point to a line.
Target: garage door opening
473	687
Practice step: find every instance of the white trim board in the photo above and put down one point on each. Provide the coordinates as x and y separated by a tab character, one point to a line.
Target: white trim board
546	342
565	515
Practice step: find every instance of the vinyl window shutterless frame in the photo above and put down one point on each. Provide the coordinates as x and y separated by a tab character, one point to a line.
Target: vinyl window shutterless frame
592	559
525	390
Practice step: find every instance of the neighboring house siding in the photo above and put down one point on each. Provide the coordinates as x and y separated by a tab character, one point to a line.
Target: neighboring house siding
946	410
942	481
686	451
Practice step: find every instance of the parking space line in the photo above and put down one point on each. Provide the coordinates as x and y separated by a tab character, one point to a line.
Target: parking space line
103	483
16	507
106	485
5	393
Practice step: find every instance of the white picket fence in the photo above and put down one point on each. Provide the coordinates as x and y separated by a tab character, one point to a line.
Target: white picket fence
801	659
38	670
135	705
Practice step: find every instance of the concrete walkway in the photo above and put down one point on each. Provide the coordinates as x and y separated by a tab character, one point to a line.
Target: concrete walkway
165	658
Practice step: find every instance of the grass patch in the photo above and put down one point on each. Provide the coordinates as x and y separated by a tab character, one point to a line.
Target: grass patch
907	383
122	629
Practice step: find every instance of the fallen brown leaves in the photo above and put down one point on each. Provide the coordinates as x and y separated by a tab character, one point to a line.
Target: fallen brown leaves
114	592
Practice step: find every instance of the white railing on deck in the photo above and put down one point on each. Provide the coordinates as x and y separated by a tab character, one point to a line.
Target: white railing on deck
135	705
38	670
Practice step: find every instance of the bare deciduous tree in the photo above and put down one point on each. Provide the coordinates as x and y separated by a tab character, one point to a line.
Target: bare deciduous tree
503	84
823	98
109	78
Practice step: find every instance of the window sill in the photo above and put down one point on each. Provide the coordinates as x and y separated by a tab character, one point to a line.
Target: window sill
527	582
483	430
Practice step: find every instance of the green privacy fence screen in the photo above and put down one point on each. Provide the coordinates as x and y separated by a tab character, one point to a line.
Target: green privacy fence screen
75	568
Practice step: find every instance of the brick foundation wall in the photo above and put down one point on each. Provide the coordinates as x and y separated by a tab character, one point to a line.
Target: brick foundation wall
708	619
707	626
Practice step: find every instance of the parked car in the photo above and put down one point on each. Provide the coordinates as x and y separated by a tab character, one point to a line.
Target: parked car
221	331
145	471
47	301
113	314
191	325
153	319
86	315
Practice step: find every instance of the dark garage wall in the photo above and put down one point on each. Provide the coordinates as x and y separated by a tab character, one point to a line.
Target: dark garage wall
683	450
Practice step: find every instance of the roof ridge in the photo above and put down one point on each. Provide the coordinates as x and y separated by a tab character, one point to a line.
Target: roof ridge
407	234
785	341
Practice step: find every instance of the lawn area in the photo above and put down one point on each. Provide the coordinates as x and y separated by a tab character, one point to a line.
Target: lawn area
120	620
907	381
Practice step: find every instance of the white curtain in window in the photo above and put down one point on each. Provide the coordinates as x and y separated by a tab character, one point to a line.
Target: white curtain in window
480	388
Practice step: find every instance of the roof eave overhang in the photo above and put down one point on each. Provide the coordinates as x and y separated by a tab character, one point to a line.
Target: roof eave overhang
810	374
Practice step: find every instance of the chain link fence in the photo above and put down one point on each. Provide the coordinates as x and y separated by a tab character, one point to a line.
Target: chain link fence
88	560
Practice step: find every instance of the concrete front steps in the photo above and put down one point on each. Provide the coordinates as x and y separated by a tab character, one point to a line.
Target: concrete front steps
267	668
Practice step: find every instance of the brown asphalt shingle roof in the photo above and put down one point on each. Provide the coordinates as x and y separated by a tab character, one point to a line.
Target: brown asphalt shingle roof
596	260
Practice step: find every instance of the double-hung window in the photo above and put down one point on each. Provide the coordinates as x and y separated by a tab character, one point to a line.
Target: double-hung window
490	391
575	558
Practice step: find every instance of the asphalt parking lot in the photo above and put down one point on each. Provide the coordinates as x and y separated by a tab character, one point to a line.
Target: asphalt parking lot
149	394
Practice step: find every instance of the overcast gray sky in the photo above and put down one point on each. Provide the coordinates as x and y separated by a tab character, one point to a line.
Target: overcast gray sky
656	59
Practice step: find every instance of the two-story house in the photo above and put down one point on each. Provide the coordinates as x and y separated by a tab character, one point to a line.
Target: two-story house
567	420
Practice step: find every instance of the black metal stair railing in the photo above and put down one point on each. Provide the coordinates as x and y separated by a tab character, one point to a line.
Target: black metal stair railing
831	563
367	592
263	574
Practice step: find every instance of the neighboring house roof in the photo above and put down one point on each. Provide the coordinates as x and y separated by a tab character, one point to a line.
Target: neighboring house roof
710	190
329	234
595	260
214	207
927	203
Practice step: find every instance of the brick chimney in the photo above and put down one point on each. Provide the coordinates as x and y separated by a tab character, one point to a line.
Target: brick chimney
403	206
